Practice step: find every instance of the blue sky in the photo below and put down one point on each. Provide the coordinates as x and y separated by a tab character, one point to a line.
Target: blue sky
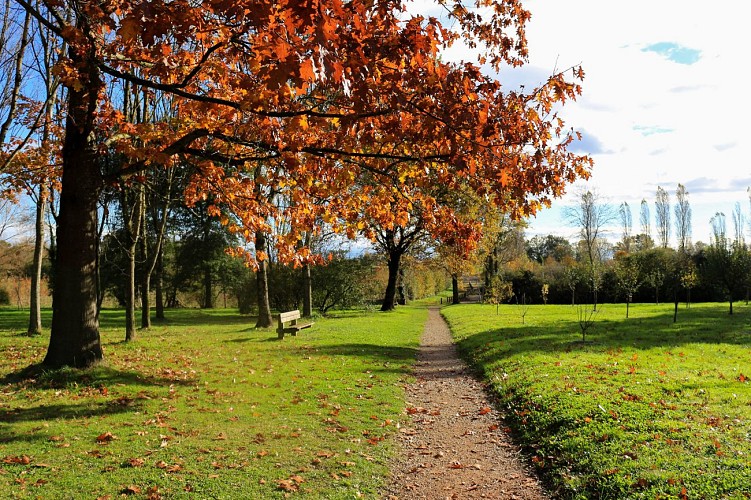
665	99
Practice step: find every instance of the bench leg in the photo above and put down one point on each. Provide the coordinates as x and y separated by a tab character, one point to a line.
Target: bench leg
280	334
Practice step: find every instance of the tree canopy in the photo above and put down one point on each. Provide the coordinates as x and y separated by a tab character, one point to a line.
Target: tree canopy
346	109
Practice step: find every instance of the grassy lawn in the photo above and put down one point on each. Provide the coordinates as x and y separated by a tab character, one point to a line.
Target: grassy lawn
644	409
205	406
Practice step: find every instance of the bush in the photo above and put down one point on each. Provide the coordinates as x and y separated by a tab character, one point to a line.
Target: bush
4	297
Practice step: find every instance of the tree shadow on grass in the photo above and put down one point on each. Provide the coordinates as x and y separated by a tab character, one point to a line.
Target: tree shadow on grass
82	410
393	359
50	412
658	331
38	376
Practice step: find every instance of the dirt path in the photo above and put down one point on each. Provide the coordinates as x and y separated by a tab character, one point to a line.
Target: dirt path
454	446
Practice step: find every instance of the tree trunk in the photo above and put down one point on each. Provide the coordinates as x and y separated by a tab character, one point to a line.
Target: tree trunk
731	305
307	283
130	295
208	288
675	305
158	285
131	203
265	319
35	299
627	304
307	291
145	302
455	289
74	338
390	297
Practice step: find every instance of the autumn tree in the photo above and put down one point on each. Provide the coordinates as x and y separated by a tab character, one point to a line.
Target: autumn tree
328	90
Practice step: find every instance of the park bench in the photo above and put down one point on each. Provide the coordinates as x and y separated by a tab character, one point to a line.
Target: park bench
288	323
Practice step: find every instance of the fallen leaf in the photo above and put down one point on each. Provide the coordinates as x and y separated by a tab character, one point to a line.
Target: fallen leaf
130	490
22	460
286	485
485	410
105	437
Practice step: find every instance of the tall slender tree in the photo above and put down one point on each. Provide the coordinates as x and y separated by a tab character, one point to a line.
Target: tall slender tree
682	219
626	222
662	216
644	220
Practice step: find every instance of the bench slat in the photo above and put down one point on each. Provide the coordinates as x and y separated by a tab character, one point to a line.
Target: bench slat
289	316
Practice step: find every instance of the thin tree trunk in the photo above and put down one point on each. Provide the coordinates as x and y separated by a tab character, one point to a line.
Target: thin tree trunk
130	296
307	284
307	295
159	285
265	319
35	299
132	208
208	288
145	279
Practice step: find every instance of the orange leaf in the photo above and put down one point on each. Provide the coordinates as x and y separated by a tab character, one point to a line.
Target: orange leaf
105	437
485	410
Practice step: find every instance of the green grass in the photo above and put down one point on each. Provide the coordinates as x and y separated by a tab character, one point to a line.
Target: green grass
205	406
644	409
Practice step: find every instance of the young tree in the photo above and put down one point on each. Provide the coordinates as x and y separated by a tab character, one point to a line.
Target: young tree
591	214
628	274
328	90
662	216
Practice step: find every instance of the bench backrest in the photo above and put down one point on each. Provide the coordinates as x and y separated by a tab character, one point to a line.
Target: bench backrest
289	316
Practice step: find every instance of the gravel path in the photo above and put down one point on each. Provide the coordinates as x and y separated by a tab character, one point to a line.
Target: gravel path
454	447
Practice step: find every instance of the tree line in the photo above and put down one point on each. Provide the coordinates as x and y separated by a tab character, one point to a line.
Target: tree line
636	267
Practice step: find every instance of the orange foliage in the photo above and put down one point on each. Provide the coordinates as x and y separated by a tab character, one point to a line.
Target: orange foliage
345	110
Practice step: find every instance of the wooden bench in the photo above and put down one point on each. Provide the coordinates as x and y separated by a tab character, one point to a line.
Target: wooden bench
288	323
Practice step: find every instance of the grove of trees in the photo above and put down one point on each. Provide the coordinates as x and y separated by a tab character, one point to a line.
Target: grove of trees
278	120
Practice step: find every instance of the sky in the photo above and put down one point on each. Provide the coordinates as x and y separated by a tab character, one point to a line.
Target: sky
665	101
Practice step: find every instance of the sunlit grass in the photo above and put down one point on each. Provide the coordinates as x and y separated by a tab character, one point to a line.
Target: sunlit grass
205	406
645	408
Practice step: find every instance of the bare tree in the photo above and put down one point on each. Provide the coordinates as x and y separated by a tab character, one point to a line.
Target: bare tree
682	219
662	216
591	214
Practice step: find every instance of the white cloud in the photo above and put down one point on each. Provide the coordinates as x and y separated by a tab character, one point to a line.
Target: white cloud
647	116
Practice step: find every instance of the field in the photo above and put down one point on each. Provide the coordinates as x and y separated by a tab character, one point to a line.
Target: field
205	406
644	408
